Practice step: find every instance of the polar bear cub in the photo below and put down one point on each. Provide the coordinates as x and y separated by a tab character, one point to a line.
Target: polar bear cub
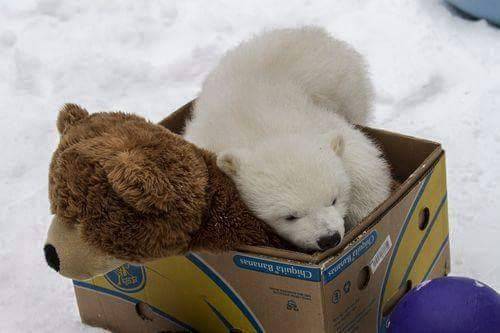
279	111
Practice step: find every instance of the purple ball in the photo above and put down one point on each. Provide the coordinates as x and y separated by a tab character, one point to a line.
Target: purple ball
447	304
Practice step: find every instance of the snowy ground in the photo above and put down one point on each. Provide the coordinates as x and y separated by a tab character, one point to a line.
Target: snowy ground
437	76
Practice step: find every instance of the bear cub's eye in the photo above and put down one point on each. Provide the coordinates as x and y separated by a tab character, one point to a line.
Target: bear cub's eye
291	218
334	202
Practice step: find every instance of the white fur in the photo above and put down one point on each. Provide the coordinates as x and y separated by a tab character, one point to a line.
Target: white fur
276	110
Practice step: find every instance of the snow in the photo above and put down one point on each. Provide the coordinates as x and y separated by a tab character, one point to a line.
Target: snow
437	76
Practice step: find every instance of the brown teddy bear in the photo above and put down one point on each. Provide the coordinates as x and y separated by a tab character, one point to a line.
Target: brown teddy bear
123	189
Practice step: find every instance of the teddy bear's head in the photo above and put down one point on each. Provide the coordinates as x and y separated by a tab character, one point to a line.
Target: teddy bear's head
121	189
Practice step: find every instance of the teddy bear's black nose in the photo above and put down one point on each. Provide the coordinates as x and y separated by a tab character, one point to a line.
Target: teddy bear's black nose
51	257
329	241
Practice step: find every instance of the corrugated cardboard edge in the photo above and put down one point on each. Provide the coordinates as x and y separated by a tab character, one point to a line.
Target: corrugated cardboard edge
176	123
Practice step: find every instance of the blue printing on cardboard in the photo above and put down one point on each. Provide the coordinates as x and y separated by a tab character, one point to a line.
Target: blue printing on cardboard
276	268
127	278
346	260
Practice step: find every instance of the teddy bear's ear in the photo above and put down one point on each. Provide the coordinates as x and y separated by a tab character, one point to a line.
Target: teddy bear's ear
69	115
138	180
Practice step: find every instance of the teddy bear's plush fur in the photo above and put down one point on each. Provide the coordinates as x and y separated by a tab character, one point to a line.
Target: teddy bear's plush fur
124	189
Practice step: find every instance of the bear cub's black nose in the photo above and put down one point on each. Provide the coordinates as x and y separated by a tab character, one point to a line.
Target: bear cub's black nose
51	257
329	241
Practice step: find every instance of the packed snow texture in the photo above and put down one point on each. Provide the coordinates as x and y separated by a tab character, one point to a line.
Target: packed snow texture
437	76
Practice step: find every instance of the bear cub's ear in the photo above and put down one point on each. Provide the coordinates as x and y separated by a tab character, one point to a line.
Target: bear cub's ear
230	161
335	142
69	115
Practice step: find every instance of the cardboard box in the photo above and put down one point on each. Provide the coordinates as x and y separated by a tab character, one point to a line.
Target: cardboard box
350	288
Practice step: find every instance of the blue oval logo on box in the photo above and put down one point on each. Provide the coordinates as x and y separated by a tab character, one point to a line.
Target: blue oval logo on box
127	278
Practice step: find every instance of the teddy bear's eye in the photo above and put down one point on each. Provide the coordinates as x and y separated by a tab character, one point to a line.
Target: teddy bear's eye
334	202
291	218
